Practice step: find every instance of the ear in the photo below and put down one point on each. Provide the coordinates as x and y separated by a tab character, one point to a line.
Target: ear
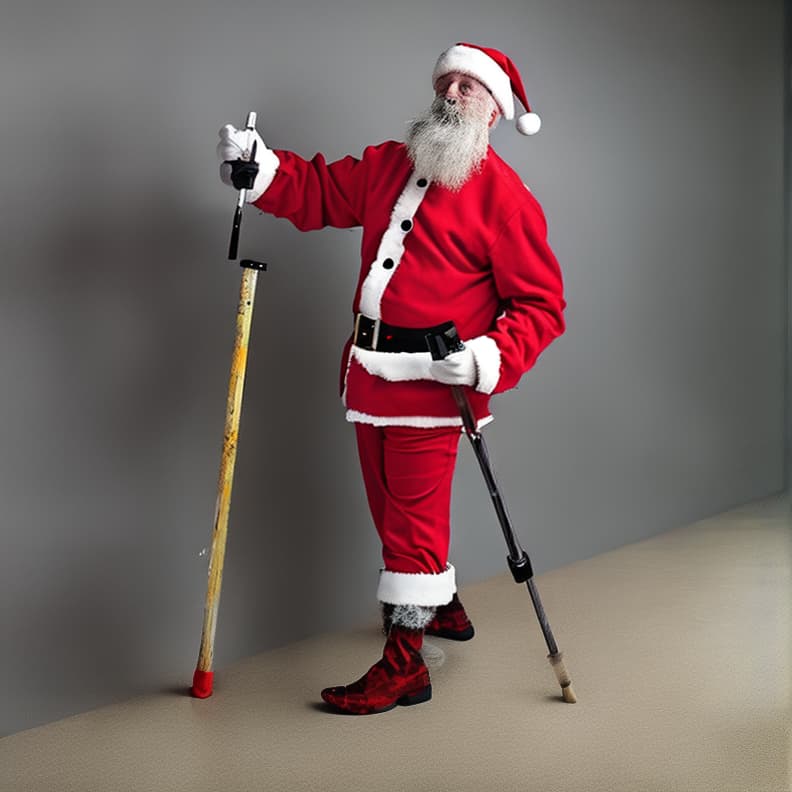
493	118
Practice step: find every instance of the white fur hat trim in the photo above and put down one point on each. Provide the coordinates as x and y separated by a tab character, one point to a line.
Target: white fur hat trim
474	62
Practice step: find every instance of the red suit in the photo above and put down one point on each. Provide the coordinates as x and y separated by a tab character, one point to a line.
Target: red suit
478	257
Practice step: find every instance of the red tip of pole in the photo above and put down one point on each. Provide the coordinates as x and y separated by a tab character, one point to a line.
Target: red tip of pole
202	683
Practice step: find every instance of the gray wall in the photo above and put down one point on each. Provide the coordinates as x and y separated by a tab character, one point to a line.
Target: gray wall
660	167
788	222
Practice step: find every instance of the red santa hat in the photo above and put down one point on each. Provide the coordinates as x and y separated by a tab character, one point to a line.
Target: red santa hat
497	73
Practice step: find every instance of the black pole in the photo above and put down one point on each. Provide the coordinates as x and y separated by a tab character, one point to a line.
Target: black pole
440	346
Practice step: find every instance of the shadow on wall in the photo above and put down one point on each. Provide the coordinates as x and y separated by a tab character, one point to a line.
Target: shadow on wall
133	329
305	545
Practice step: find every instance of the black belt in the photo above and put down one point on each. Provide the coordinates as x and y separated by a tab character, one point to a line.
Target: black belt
381	337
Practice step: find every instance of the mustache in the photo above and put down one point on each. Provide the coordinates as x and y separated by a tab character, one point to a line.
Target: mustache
446	111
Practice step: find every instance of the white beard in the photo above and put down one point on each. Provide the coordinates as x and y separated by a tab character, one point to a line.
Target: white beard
448	146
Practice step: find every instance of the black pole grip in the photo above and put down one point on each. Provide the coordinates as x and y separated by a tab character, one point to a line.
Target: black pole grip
521	568
443	343
233	245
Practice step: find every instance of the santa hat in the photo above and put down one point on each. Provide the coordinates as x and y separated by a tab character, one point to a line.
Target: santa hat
497	73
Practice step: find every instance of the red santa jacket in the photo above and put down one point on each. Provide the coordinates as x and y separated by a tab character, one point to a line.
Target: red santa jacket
478	257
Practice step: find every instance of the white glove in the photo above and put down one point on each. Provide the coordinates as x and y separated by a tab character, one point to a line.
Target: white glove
459	368
237	144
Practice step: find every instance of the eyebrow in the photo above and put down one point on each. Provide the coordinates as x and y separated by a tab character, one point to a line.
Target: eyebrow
463	78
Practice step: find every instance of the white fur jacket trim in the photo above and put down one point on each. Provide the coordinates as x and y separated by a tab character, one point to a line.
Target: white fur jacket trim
394	366
407	366
418	421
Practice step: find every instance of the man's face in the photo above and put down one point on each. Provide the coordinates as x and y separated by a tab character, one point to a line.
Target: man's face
450	140
464	91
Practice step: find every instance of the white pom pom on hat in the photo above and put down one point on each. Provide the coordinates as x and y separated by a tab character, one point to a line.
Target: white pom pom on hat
529	124
497	72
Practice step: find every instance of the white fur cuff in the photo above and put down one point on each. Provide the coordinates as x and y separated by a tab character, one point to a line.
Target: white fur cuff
404	588
268	166
488	362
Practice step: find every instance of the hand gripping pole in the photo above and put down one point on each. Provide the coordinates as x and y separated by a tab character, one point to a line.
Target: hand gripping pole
247	155
204	676
441	345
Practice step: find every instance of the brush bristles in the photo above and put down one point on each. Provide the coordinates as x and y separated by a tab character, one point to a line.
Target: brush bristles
557	662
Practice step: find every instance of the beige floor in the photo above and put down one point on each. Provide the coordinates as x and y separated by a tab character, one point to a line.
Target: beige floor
679	648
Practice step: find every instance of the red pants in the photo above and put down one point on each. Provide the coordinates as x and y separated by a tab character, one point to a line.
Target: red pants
408	473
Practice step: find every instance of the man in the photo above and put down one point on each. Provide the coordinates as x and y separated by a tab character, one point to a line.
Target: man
450	233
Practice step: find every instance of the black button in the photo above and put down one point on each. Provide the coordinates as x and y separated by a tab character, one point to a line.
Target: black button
388	263
406	225
422	182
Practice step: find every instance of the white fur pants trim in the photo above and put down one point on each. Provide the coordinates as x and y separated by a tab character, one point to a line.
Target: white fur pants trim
405	588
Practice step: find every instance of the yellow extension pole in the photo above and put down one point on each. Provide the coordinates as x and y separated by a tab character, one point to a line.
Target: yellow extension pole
203	677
